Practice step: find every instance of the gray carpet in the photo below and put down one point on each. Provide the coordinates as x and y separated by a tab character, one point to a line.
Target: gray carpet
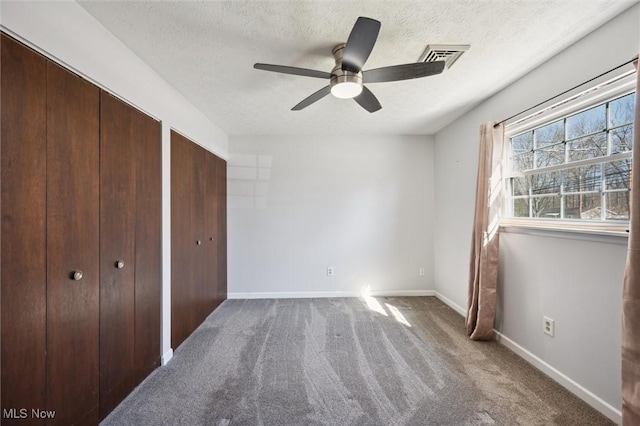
392	361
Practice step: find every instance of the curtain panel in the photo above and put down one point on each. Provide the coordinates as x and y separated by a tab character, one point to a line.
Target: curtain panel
483	265
631	291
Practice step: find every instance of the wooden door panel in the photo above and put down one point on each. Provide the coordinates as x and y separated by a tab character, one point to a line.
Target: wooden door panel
117	236
197	301
198	211
211	233
181	260
72	245
23	239
147	137
222	230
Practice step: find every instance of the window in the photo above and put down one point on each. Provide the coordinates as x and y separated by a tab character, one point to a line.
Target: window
574	167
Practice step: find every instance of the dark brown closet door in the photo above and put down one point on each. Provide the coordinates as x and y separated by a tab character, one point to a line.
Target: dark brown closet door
117	260
23	239
72	247
222	229
211	233
182	241
198	199
147	137
197	301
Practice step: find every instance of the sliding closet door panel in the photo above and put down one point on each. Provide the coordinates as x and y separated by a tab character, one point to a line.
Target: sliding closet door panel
211	233
72	247
198	255
182	241
23	239
117	260
147	137
197	302
222	230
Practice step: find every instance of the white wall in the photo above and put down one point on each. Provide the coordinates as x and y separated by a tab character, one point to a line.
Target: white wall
577	281
297	205
66	33
580	287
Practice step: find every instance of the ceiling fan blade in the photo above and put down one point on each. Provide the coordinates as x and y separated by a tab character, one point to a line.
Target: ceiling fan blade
292	70
313	98
402	72
368	100
360	43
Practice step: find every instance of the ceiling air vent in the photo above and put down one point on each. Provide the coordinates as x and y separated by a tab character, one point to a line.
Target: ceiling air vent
449	53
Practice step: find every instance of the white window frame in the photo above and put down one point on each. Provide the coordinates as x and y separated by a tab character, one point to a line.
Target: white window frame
600	91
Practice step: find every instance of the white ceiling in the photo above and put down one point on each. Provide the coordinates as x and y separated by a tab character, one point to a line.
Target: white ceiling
207	49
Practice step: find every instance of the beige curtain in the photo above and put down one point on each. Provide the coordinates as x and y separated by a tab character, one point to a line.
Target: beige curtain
631	292
483	273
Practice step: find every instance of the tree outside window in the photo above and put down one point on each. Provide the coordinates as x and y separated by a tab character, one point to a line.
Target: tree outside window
578	167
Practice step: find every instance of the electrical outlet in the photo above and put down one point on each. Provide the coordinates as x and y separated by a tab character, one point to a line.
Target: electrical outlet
330	271
548	326
421	271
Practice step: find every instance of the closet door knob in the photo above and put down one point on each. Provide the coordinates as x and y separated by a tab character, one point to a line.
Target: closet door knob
120	264
210	238
198	242
76	275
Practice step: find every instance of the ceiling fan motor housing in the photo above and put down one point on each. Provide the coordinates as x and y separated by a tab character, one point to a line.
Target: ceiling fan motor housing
344	78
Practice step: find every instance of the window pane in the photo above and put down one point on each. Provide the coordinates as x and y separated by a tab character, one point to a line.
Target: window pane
520	186
582	206
545	183
523	162
522	143
589	121
547	207
618	174
580	179
598	191
549	134
549	156
588	147
621	139
618	205
621	110
521	207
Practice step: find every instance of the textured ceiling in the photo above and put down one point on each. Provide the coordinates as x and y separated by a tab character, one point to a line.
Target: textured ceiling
207	49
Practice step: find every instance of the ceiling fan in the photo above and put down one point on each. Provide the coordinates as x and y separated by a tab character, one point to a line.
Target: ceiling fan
347	78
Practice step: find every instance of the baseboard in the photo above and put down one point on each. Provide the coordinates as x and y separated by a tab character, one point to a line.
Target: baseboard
167	356
577	389
459	309
290	295
568	383
323	294
401	293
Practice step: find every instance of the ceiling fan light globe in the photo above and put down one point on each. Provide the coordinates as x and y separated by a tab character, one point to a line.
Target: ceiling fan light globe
345	84
346	90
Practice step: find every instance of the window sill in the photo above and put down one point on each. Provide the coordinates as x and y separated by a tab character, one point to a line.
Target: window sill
604	234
